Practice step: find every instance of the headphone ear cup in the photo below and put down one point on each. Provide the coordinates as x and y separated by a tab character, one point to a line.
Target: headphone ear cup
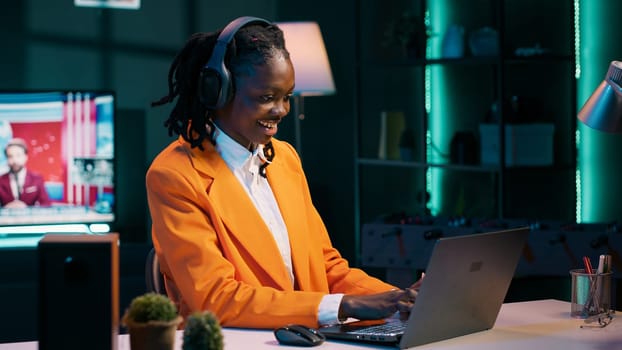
215	86
209	87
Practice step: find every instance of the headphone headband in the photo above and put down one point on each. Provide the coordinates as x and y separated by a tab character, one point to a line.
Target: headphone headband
228	32
215	86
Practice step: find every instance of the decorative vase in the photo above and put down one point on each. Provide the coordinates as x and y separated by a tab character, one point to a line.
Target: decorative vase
484	42
453	42
153	335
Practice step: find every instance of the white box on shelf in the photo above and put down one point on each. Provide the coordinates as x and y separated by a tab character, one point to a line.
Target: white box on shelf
525	144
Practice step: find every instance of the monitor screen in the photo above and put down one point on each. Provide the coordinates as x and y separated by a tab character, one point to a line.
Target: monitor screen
57	161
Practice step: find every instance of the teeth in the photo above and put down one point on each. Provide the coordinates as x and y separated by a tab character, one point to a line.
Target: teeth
267	123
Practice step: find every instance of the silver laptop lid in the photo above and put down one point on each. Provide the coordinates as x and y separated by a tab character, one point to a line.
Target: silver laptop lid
466	282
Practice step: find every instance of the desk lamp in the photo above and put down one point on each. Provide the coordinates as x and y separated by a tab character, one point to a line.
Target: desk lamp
313	74
603	110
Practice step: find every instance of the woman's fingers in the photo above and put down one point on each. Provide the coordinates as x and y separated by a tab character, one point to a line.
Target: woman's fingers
418	283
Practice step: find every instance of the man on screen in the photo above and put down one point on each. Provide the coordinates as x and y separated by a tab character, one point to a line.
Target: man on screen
19	187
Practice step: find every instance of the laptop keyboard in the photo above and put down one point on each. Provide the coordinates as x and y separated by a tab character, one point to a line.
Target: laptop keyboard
381	329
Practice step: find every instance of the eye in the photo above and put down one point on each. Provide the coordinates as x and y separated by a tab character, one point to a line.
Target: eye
266	98
287	97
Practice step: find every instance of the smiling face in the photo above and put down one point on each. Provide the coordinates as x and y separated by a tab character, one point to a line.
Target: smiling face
261	100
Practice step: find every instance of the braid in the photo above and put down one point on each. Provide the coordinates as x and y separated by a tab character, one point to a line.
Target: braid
182	83
252	45
268	152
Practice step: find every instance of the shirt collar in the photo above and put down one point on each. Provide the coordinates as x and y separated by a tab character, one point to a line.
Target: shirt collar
234	154
21	173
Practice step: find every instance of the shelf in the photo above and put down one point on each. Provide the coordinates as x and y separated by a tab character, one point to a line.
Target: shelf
470	60
441	98
484	168
542	59
424	165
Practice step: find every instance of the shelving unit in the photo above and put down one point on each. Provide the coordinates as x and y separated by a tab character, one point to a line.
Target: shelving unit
428	100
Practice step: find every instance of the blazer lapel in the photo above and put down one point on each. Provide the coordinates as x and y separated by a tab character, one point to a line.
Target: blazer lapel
286	186
240	216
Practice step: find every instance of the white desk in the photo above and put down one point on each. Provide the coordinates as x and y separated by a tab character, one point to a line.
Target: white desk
542	324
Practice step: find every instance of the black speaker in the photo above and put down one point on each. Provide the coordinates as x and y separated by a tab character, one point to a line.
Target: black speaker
215	86
78	292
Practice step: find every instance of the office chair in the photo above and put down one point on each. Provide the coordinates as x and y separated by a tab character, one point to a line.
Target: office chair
153	277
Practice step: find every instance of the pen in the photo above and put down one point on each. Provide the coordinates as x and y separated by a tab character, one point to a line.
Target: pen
592	303
607	264
601	264
588	265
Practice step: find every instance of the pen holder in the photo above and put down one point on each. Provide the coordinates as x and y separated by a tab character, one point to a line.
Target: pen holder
591	293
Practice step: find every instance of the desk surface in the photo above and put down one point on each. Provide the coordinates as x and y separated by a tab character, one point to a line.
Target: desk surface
541	324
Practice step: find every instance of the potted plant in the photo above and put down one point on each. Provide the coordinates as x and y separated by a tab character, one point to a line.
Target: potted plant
409	33
202	332
151	320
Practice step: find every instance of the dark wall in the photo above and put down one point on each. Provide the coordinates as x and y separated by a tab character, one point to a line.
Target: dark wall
12	37
132	213
126	52
328	129
54	45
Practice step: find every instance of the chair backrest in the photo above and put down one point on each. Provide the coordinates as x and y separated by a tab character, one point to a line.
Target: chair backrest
153	277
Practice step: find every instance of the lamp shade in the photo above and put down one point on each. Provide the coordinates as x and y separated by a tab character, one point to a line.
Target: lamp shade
603	110
308	54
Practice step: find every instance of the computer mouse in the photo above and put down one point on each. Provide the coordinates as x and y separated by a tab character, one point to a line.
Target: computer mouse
298	335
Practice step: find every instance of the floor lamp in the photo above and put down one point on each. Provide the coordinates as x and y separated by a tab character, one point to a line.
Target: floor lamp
313	74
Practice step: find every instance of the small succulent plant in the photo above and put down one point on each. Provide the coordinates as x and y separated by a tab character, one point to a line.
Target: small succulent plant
151	307
202	332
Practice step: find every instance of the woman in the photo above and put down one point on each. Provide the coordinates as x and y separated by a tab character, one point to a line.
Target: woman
234	226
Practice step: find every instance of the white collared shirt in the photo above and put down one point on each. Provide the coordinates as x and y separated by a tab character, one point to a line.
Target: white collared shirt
245	166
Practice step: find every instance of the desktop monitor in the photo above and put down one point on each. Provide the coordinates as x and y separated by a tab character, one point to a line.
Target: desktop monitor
69	142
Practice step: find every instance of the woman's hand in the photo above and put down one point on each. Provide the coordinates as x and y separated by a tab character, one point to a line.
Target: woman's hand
373	306
381	305
419	282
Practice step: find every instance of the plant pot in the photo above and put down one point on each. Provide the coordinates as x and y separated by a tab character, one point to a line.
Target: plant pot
153	335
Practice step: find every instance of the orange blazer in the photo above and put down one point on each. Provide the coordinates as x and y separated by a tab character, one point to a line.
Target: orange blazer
217	254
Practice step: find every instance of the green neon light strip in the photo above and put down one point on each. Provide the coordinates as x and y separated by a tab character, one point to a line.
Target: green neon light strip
577	38
437	14
577	50
595	48
428	103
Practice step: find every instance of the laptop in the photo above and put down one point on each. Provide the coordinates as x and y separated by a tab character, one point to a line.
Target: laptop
465	284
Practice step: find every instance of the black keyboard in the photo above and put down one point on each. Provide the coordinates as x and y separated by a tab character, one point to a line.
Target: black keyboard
381	329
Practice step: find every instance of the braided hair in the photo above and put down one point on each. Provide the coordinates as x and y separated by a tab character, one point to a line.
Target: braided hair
254	44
